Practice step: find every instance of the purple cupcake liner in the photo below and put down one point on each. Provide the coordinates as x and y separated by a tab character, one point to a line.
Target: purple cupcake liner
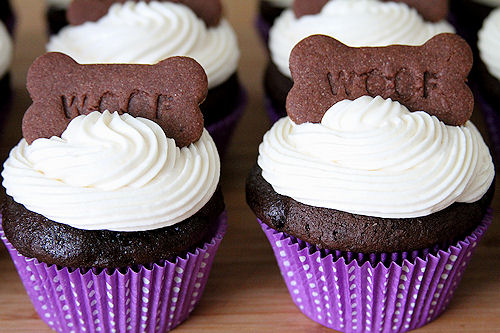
273	114
141	299
371	297
223	130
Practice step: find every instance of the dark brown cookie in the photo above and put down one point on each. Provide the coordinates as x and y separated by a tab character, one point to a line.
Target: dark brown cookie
168	93
337	230
433	10
430	78
81	11
35	236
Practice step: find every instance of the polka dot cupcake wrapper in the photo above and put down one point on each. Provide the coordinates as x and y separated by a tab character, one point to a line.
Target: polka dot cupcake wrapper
371	297
142	299
223	130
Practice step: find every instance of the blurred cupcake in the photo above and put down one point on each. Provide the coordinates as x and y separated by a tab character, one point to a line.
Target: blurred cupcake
6	50
56	15
469	16
6	15
488	74
353	22
147	32
371	213
112	225
269	10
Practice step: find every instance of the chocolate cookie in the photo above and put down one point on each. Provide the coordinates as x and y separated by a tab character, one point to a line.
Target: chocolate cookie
431	77
50	242
337	230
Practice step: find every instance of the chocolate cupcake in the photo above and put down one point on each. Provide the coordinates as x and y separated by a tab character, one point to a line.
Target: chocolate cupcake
158	30
56	15
6	50
469	16
7	15
488	75
113	218
354	22
269	10
373	207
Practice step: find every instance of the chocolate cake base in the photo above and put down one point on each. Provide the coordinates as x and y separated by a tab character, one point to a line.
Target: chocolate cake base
489	85
269	12
50	242
277	86
221	100
56	19
7	16
469	17
337	230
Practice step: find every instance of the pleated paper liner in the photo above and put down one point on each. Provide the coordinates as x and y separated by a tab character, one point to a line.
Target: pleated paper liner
223	130
353	292
139	299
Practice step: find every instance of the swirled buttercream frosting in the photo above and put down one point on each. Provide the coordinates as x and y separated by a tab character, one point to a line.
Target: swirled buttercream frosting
113	172
6	50
355	23
373	157
146	33
489	43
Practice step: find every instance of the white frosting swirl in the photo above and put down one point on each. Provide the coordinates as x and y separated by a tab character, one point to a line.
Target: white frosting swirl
113	172
489	43
355	23
280	3
146	33
6	49
61	4
373	157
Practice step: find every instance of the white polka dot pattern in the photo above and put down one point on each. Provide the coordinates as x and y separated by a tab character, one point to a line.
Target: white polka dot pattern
354	298
155	299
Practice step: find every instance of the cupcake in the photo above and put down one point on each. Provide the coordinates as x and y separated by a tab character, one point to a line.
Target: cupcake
6	15
269	10
56	15
6	50
488	74
469	16
372	207
158	30
113	218
353	22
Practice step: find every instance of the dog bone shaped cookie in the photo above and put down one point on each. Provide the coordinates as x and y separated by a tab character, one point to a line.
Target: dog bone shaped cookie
430	78
81	11
431	10
168	93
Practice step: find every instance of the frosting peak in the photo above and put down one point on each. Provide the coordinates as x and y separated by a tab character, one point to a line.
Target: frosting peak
115	172
146	33
373	157
6	50
355	23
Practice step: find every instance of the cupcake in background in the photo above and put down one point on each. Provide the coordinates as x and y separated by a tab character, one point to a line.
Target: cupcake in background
469	16
372	215
488	74
56	15
269	10
148	32
7	15
6	50
353	22
113	218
